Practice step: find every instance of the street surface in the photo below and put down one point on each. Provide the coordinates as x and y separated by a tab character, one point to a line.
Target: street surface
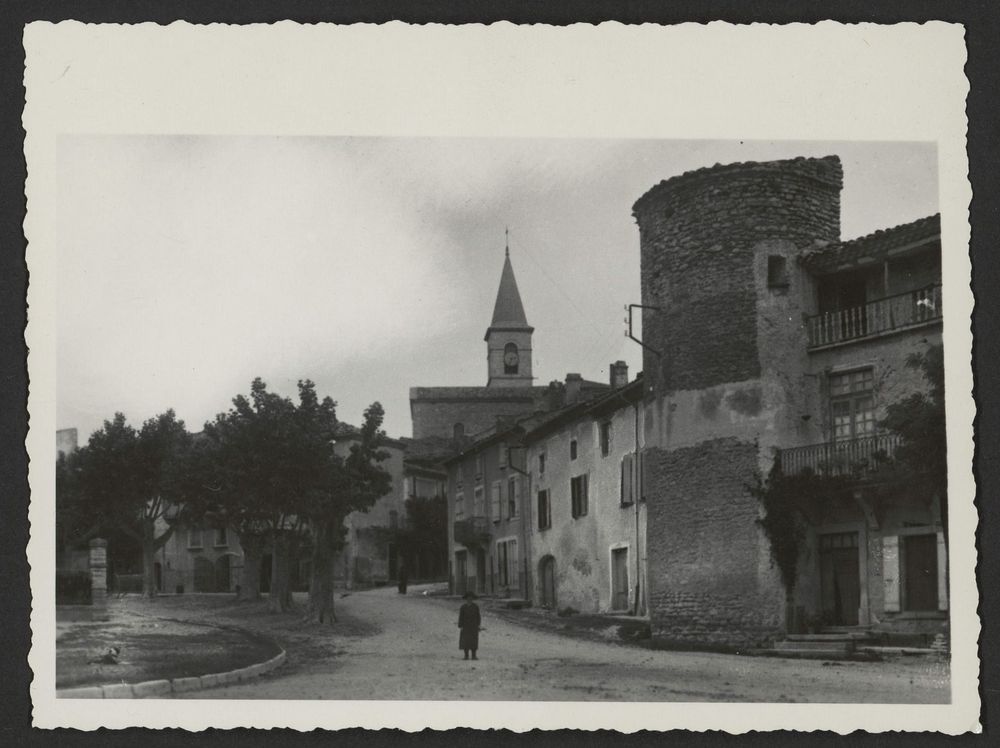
409	650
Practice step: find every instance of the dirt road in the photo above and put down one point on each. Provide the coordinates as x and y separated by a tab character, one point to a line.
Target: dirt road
414	655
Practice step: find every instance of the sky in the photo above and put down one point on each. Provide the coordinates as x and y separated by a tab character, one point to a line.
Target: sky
188	265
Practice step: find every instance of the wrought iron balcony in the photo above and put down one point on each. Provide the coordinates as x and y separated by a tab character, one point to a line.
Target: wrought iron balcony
878	317
849	457
472	531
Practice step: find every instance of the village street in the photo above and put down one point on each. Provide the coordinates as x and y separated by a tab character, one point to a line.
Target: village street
391	646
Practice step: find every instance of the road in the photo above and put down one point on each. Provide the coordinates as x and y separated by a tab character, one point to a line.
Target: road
410	651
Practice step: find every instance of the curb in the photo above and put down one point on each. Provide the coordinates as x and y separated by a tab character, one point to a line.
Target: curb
161	688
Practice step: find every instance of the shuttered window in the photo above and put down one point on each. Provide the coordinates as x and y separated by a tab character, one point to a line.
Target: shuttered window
513	496
628	479
578	495
495	501
544	511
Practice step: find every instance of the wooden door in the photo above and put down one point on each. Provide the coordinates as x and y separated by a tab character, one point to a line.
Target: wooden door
548	575
920	572
619	579
204	575
840	581
222	574
480	571
461	572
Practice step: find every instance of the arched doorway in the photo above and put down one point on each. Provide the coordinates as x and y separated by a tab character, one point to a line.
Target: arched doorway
204	575
222	580
158	576
547	575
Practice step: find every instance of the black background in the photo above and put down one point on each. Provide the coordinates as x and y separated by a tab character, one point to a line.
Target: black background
983	69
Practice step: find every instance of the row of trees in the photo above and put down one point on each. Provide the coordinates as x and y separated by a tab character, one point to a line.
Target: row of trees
267	469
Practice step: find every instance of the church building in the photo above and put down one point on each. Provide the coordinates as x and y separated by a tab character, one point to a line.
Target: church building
510	391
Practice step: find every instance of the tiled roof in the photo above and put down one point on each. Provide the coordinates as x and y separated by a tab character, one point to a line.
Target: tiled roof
875	246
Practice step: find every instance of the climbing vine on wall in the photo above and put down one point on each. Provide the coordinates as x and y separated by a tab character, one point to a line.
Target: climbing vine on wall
781	497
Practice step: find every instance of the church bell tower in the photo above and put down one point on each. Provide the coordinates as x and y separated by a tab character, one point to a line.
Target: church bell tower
508	338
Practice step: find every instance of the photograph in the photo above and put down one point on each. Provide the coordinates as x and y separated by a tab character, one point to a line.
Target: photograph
362	417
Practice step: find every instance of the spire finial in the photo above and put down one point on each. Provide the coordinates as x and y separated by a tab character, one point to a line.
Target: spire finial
506	241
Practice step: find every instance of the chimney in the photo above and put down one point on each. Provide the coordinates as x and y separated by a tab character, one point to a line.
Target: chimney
573	384
555	396
619	374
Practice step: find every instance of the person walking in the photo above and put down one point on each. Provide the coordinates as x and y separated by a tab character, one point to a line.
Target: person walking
469	620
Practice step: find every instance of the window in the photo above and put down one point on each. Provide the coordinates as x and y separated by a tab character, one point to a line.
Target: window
221	537
512	497
507	563
194	537
605	438
852	405
544	511
495	501
459	505
541	464
578	495
628	479
478	502
777	272
479	466
572	449
393	520
502	456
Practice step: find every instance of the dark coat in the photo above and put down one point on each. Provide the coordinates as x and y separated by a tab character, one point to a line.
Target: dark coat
468	621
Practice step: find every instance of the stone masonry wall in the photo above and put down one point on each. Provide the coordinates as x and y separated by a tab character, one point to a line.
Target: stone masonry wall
710	576
697	233
438	418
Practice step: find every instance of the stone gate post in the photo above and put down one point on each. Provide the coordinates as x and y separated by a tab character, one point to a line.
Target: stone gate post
99	578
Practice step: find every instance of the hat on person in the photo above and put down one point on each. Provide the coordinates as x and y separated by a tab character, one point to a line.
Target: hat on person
469	596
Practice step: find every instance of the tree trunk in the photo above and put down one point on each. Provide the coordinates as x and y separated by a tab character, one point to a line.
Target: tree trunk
280	598
253	552
321	584
148	559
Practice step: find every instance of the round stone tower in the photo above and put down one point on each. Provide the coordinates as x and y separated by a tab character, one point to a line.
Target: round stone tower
698	232
726	383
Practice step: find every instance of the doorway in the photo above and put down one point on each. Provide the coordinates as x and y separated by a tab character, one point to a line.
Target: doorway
461	572
619	579
222	574
547	573
920	572
840	581
480	571
158	576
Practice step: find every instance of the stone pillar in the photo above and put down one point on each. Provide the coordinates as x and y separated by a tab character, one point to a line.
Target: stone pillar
99	578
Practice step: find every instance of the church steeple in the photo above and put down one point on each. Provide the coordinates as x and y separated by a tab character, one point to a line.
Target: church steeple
508	338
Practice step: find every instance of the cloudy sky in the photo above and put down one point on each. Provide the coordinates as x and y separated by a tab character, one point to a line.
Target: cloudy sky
189	265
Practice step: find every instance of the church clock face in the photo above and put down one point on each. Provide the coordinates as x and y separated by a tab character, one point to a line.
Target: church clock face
510	359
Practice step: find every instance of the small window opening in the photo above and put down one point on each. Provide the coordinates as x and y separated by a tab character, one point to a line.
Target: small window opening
777	272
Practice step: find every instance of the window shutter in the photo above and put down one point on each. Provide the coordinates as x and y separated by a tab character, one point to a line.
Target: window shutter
890	572
627	479
515	572
942	572
517	496
495	502
641	488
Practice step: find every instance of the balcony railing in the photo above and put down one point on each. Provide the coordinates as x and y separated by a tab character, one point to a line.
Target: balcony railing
849	457
472	531
876	317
